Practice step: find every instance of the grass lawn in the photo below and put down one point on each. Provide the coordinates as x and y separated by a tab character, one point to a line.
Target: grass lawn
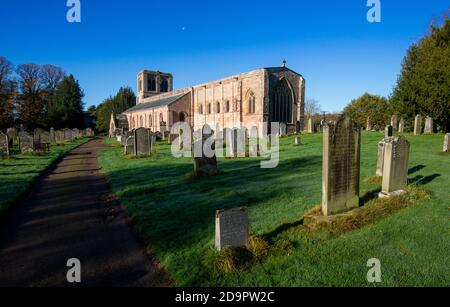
176	217
19	171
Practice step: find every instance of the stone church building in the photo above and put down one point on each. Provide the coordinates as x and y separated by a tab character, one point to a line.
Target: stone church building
246	100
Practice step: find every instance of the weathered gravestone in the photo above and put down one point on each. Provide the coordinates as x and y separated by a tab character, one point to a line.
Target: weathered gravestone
418	125
283	129
205	160
447	143
341	166
298	140
76	133
142	142
401	126
242	140
59	136
129	146
428	126
52	136
37	134
4	145
395	169
369	124
253	142
12	134
389	131
68	135
394	122
232	228
44	137
310	125
26	143
231	140
90	132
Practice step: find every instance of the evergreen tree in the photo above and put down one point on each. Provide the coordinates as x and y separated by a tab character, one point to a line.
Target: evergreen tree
122	101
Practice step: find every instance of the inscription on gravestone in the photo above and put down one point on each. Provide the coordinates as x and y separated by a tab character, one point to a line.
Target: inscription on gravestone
142	142
231	228
428	126
395	170
341	166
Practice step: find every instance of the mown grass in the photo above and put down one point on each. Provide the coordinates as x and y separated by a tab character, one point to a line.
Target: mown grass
175	216
19	171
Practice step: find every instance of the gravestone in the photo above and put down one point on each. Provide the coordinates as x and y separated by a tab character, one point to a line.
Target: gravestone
395	169
389	131
12	134
76	133
90	132
205	165
37	134
231	137
45	137
232	228
369	124
142	142
242	140
68	135
283	129
401	126
26	143
418	125
394	122
59	136
310	125
129	146
52	136
253	142
428	126
341	166
447	143
298	140
4	145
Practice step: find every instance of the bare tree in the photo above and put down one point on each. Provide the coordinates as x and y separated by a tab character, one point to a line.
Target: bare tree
51	76
6	68
29	78
312	107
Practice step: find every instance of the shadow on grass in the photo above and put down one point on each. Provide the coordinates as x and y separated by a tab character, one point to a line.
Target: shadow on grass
422	180
173	212
415	169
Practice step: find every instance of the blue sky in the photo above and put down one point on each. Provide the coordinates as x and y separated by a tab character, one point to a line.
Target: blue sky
329	42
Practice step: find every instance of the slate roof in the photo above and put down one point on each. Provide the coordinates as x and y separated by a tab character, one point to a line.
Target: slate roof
157	103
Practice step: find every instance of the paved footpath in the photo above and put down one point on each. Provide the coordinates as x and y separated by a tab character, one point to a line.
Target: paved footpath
72	213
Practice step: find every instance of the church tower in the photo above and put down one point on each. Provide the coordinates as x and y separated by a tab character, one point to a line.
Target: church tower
151	83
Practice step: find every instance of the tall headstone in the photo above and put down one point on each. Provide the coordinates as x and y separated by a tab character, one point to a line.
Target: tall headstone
68	135
26	143
369	124
142	142
401	126
394	122
12	134
395	169
298	140
59	136
231	140
418	125
4	144
310	125
253	143
52	136
205	163
389	131
232	228
129	146
341	166
283	129
428	126
447	143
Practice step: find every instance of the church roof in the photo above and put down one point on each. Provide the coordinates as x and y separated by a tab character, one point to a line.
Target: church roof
157	103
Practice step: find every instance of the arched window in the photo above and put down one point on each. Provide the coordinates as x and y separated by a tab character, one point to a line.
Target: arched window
141	121
227	106
218	107
151	84
209	108
182	117
164	86
251	103
282	102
